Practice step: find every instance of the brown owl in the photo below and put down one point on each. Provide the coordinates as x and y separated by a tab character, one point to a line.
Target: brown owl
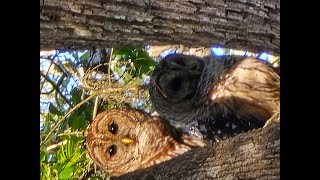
220	96
124	140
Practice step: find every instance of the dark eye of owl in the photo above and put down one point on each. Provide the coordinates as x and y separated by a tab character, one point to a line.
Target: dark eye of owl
113	128
112	150
176	84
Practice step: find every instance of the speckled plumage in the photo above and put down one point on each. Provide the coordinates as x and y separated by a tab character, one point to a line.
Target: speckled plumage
124	140
220	97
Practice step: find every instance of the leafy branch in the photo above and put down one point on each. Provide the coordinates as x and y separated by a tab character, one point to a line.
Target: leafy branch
64	117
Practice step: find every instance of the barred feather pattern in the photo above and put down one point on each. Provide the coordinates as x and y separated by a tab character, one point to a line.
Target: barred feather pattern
231	95
125	140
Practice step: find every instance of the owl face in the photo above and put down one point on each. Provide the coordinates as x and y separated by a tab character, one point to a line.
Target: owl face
180	78
121	141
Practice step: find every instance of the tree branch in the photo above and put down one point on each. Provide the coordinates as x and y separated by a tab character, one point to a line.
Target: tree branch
56	145
56	88
41	86
251	155
253	26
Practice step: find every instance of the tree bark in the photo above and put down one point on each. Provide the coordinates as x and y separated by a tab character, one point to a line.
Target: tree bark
252	155
251	25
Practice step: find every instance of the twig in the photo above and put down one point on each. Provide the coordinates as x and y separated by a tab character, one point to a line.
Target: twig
56	145
65	116
109	67
119	89
275	61
46	76
56	97
61	67
71	133
160	90
93	53
95	109
72	72
55	87
134	75
48	92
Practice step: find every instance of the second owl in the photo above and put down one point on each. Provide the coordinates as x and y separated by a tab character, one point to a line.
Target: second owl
219	96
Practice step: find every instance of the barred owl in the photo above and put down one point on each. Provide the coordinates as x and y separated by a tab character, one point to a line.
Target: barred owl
220	97
124	140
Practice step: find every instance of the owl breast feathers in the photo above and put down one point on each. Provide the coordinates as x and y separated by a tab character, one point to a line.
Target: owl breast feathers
219	96
122	141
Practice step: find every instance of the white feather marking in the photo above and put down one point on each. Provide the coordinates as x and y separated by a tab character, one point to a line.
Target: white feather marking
234	126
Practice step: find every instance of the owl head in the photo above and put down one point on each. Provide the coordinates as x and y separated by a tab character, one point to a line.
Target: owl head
124	140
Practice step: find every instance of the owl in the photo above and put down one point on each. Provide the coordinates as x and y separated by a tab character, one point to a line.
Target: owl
124	140
220	97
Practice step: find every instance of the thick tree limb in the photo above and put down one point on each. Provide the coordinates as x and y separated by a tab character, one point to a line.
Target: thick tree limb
252	155
237	24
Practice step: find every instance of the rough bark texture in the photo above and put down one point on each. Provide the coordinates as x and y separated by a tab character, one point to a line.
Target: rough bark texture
240	24
252	155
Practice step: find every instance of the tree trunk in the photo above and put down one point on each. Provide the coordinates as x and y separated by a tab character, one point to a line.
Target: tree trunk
251	25
252	155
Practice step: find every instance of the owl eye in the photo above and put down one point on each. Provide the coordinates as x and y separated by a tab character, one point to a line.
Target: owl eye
113	128
112	150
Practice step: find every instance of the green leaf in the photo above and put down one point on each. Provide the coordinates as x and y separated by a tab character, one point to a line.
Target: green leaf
76	95
87	113
144	65
57	166
66	173
74	160
123	53
54	110
61	154
77	122
42	156
76	139
69	149
85	56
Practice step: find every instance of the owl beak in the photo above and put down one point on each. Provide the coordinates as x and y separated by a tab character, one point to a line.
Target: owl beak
127	141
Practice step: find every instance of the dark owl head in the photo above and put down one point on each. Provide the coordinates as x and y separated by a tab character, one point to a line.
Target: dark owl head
174	81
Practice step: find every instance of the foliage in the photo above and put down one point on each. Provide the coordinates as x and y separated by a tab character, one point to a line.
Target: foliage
67	107
141	62
62	150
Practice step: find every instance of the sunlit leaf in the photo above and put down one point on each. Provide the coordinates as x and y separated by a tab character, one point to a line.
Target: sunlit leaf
123	53
61	154
85	56
42	156
66	173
